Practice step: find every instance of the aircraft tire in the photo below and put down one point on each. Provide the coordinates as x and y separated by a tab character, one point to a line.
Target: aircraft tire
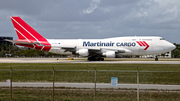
91	59
88	59
156	59
98	59
95	59
102	59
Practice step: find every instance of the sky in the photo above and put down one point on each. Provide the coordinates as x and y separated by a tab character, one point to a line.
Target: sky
94	19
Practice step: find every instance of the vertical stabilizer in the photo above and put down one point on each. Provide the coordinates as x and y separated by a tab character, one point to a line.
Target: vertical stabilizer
27	33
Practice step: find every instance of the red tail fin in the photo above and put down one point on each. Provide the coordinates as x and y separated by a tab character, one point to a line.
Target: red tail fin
26	32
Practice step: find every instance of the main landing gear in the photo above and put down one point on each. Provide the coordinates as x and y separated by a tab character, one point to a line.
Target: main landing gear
92	58
156	59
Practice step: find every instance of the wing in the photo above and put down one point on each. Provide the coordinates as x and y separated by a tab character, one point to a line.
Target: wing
95	50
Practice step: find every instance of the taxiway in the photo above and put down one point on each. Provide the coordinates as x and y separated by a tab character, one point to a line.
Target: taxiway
92	85
65	60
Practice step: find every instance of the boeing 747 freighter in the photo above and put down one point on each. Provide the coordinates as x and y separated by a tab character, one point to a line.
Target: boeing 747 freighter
94	49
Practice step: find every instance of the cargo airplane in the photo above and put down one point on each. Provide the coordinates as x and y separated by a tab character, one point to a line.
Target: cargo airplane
94	49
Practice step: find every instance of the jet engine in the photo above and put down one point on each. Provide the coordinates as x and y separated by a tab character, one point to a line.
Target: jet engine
82	52
110	54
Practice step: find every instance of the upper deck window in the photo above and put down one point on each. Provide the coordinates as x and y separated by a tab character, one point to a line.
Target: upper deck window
161	38
147	39
133	39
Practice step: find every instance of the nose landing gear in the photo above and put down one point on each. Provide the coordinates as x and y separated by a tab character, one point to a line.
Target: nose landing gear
156	59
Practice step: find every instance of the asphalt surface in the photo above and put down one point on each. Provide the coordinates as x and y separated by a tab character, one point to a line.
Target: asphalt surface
91	85
65	60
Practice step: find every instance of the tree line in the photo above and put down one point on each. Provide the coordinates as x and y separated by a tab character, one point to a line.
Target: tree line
15	51
176	51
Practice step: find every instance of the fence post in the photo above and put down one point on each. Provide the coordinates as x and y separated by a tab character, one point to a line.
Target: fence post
95	86
53	82
11	83
137	84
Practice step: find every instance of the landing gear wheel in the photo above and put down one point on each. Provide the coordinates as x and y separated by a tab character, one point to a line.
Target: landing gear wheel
102	59
95	58
156	59
98	59
91	59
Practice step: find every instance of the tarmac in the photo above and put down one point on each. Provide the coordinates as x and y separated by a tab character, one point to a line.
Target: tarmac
81	60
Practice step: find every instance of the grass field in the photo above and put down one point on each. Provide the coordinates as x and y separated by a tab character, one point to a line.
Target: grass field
88	76
79	66
26	73
75	94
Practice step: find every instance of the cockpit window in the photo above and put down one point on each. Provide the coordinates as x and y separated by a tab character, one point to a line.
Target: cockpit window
161	38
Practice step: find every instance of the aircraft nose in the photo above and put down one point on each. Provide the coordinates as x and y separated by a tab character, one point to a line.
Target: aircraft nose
173	46
169	46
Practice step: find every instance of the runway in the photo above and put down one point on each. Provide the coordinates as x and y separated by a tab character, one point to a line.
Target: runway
92	85
83	60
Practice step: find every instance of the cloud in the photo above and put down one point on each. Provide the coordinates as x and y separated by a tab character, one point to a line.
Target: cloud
159	10
92	7
74	19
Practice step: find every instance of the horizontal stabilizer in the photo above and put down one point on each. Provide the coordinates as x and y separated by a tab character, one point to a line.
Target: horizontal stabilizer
20	42
27	43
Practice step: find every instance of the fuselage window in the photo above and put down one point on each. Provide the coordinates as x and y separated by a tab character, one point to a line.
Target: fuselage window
147	39
133	39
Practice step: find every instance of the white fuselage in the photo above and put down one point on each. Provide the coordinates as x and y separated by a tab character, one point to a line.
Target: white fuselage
129	45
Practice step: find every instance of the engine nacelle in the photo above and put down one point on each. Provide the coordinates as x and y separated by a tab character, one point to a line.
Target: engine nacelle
110	54
83	52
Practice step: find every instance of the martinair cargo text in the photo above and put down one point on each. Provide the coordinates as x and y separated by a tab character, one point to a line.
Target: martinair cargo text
94	49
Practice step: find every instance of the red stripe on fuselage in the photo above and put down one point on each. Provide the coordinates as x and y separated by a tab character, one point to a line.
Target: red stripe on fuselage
142	43
146	45
139	43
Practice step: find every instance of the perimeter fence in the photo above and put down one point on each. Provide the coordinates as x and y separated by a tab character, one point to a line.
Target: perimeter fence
88	85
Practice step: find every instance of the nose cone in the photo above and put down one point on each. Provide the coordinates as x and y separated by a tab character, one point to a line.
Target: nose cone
169	46
173	47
